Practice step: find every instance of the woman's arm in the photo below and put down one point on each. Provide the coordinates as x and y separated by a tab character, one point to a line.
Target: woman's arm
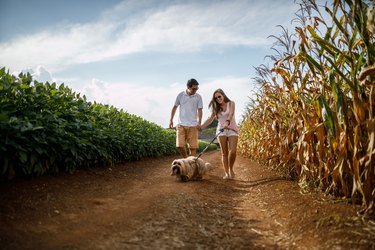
231	110
230	115
208	121
199	118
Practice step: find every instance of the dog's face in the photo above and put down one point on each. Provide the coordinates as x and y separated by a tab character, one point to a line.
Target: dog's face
180	169
189	168
176	167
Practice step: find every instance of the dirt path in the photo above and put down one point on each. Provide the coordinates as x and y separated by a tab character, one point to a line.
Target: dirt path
140	206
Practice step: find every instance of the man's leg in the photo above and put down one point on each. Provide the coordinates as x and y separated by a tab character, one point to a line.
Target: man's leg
183	152
193	151
181	140
192	138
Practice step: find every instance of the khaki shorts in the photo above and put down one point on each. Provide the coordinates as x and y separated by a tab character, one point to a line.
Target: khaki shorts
187	134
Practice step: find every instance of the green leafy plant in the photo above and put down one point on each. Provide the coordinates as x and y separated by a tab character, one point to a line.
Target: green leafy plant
49	128
204	144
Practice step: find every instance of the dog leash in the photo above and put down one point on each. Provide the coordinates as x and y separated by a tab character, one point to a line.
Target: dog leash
220	131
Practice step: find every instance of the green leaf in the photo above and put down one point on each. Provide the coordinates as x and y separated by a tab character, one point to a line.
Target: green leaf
5	166
3	117
327	116
313	64
339	98
22	156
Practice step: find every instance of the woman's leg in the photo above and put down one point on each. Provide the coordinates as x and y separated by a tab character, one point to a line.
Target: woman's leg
223	141
232	140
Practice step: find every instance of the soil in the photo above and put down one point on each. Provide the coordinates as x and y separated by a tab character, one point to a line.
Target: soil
138	205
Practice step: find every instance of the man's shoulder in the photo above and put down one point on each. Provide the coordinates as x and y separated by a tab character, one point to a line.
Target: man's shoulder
182	93
198	96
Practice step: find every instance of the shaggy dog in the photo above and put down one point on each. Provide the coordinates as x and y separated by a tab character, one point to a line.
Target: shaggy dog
189	168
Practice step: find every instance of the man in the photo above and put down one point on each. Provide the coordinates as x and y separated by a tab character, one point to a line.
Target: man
189	119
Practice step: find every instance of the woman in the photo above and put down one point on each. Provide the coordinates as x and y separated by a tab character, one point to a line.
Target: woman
223	109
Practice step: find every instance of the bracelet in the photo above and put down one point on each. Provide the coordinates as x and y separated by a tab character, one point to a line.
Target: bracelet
228	122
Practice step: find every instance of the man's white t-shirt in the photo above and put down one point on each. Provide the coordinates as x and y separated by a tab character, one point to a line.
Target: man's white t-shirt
189	105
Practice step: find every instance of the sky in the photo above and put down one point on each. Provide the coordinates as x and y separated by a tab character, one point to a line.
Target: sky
137	55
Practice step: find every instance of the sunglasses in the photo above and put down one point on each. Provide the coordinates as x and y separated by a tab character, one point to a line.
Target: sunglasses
194	89
218	97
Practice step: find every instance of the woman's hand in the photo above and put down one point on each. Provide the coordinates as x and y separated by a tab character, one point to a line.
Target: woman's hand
226	124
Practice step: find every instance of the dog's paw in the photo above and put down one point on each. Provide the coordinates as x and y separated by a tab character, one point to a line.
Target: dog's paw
185	178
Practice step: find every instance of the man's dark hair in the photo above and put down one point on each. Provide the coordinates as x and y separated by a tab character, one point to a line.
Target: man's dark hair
192	82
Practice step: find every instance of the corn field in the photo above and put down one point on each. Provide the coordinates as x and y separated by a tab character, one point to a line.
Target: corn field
313	116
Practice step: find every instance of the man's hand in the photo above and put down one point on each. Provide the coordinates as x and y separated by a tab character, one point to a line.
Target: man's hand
199	126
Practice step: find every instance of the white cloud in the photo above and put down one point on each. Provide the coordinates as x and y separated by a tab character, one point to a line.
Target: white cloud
96	91
38	73
155	103
151	102
42	75
169	28
138	26
58	48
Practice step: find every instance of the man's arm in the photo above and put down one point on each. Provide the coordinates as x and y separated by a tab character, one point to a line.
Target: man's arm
173	112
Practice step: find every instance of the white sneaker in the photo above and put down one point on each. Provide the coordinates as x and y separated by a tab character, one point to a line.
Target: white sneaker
226	177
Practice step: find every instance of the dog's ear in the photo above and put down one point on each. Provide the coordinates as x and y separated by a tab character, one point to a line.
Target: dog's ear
172	167
183	167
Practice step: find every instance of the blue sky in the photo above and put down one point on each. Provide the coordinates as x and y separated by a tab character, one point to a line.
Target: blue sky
138	54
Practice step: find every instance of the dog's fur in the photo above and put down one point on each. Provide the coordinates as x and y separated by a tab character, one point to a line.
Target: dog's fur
190	168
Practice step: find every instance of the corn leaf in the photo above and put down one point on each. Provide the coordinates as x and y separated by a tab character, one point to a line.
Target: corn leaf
327	116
